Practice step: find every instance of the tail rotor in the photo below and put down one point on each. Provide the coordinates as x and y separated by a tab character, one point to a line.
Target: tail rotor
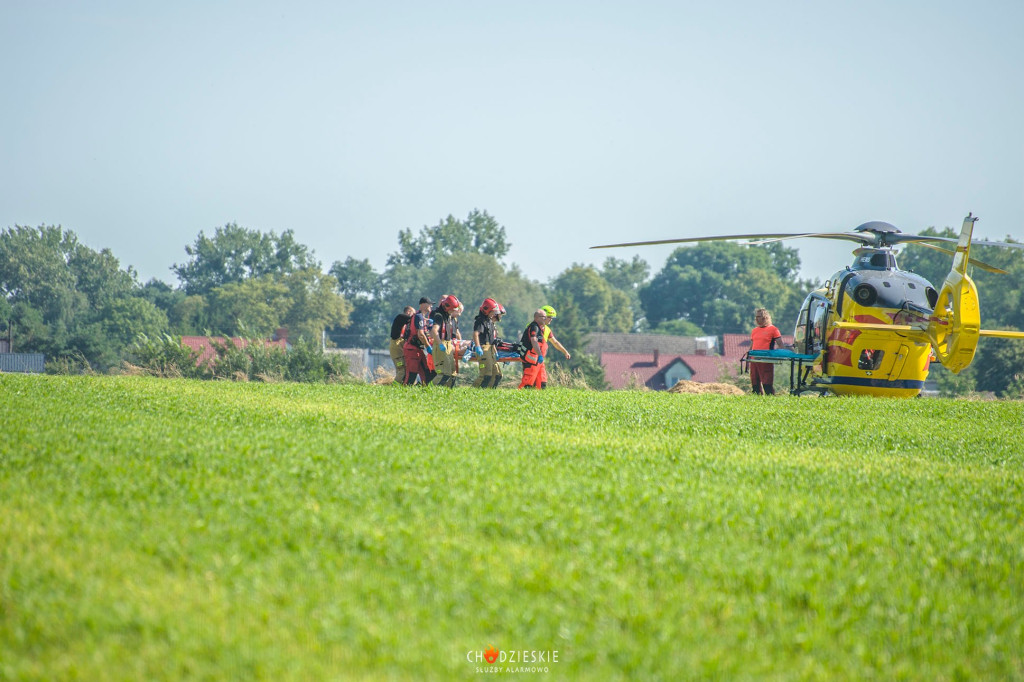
955	325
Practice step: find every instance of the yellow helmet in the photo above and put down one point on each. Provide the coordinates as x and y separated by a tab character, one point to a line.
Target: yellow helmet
549	311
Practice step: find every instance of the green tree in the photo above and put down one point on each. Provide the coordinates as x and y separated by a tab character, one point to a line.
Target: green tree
39	286
234	254
928	263
58	291
191	316
471	277
603	307
999	367
952	385
124	319
478	233
460	257
305	302
362	286
677	328
162	295
628	277
98	275
313	304
253	307
356	279
587	301
717	285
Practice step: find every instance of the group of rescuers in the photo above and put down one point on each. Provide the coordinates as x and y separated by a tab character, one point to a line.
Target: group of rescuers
426	345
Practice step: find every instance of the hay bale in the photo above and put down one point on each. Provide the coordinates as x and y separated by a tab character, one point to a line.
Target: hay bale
383	377
684	386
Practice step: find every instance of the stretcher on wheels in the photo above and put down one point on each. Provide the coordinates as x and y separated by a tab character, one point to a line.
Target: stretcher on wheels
800	367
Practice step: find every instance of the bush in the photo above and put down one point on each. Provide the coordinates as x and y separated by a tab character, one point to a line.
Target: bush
69	363
165	356
307	363
233	361
953	385
252	360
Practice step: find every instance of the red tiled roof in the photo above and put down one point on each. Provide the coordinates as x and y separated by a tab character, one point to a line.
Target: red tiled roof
735	345
620	369
204	345
708	369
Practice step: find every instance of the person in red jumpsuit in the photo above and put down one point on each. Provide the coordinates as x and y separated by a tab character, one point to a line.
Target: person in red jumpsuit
535	342
417	342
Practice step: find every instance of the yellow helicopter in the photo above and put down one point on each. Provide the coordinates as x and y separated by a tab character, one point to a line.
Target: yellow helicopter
874	329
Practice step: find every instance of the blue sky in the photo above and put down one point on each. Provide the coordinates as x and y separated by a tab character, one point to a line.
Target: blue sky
138	124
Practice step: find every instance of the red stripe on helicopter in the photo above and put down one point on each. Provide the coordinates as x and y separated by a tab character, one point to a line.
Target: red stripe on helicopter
871	319
847	336
837	355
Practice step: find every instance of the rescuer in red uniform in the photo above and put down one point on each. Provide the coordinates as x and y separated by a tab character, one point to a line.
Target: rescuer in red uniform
483	344
549	339
416	344
444	340
533	337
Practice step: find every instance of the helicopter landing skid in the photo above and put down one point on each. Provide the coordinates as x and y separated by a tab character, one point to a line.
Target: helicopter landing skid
800	367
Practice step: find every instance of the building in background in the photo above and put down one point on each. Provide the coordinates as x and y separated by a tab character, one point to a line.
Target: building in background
25	363
658	361
204	345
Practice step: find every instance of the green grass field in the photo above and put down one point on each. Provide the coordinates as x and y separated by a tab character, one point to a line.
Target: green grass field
168	529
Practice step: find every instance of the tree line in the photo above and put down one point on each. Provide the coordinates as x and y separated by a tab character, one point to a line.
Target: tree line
65	299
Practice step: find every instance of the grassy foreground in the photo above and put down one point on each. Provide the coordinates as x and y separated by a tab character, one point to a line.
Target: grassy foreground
169	529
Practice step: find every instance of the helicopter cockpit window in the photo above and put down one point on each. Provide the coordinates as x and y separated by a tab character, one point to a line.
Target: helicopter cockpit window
800	333
870	359
816	328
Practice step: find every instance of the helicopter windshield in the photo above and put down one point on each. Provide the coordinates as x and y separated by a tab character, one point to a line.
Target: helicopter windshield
872	259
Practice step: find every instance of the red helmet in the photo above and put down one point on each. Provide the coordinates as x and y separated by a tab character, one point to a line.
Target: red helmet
488	306
450	302
501	309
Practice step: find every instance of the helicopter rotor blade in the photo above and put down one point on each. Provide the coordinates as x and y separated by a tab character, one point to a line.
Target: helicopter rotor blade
760	239
867	238
724	237
1012	245
845	236
924	238
972	260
